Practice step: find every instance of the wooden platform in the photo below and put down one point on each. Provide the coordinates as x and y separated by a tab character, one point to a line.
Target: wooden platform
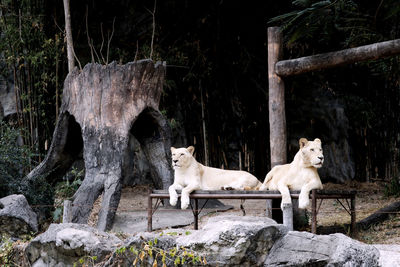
348	196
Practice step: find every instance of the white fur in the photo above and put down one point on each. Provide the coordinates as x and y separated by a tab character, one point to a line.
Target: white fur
190	175
301	174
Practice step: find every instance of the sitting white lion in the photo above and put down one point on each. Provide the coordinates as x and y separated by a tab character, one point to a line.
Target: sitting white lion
301	174
191	175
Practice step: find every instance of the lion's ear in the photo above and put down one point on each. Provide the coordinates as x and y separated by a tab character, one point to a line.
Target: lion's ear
172	149
190	149
317	140
303	142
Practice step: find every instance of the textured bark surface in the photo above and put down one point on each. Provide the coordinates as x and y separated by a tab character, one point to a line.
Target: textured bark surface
277	115
379	216
102	107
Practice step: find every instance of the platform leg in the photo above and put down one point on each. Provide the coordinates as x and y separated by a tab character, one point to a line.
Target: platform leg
288	216
353	229
268	208
149	212
313	212
196	214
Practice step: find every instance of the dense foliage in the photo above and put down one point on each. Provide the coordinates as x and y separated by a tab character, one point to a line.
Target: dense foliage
15	158
33	60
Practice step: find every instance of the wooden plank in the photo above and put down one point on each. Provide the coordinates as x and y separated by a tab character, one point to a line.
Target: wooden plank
337	58
276	102
226	194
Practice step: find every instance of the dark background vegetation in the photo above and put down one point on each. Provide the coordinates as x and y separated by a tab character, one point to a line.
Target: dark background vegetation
216	54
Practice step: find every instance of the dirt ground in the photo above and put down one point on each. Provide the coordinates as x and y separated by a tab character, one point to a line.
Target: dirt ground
370	198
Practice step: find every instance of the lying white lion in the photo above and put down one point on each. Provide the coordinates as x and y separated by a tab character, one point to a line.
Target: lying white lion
191	175
301	174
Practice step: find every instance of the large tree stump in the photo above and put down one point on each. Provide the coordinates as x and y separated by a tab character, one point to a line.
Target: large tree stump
102	106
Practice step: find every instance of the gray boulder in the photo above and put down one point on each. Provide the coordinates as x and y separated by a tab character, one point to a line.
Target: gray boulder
64	244
223	241
16	217
306	249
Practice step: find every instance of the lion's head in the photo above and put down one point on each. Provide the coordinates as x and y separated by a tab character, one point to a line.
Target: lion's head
311	152
181	157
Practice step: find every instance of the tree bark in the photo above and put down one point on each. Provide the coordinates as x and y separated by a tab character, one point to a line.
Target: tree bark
277	117
68	33
332	59
379	215
105	105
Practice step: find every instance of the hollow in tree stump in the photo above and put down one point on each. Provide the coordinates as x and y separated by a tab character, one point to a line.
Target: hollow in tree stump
102	106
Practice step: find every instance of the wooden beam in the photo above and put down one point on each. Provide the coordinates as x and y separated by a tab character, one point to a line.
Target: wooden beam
277	117
332	59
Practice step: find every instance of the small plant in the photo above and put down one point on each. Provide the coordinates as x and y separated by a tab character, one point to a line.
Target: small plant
66	189
86	261
150	254
6	246
392	188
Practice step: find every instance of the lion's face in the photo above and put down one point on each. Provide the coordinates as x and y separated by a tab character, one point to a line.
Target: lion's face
311	152
181	157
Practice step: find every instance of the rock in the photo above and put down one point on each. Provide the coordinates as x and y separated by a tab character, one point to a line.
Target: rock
234	240
306	249
64	244
16	217
224	241
390	254
7	96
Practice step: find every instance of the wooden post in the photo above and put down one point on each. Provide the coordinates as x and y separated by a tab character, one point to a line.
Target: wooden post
196	214
149	212
277	117
67	211
353	226
313	212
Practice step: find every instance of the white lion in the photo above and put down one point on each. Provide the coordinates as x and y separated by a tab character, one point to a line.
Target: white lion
301	174
190	175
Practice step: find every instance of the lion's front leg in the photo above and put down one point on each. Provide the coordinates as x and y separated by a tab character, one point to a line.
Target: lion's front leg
185	195
286	199
173	196
304	197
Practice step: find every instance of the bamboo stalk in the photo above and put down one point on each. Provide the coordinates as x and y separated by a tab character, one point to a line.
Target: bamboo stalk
205	143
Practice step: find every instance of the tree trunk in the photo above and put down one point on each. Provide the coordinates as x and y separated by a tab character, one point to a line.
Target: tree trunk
332	59
68	33
379	215
102	106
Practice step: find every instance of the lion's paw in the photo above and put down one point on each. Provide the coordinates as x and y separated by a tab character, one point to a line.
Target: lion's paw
173	201
184	205
303	203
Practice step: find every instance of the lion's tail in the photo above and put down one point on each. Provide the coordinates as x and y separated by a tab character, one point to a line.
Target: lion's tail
268	178
257	187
